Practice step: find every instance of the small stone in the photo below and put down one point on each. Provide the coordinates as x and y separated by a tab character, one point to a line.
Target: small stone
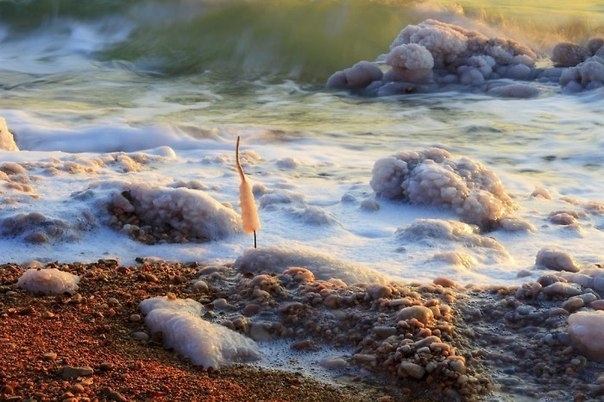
457	364
251	309
135	318
112	395
597	304
556	260
445	282
77	389
333	363
200	286
365	359
305	344
561	289
411	369
140	336
421	313
50	356
70	372
112	301
572	304
105	366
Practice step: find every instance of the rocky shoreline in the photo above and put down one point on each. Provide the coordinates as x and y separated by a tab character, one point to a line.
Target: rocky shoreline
406	341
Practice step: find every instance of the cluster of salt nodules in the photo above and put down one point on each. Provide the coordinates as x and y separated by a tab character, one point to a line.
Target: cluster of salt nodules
431	177
434	52
204	343
403	331
580	292
580	67
170	215
441	234
48	281
7	140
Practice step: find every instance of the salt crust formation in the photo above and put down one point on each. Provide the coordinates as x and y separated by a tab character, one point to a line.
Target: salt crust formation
324	266
48	281
162	214
435	341
585	331
459	243
431	177
183	329
7	140
433	54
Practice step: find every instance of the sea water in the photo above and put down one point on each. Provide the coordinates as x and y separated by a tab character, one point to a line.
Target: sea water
155	93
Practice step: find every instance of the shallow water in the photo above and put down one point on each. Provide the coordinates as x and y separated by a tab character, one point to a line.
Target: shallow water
78	82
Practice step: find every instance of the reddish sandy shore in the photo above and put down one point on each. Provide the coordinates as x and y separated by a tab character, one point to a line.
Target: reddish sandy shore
81	347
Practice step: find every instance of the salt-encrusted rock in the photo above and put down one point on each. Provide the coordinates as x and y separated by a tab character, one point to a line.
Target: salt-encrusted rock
557	260
420	313
561	289
7	140
432	177
586	335
568	54
50	281
411	369
70	372
358	76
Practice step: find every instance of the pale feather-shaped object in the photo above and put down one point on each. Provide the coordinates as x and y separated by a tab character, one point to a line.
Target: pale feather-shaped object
249	212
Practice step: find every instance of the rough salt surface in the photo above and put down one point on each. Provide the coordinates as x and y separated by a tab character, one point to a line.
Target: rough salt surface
205	343
323	266
7	140
431	177
447	54
191	213
586	335
49	281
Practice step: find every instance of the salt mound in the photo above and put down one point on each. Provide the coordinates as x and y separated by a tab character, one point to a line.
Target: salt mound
449	235
434	51
323	266
171	214
430	177
586	335
49	281
7	140
205	343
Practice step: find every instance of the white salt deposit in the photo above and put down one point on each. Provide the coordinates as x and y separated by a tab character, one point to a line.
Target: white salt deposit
586	334
49	281
557	260
323	266
454	242
431	177
205	343
7	140
192	213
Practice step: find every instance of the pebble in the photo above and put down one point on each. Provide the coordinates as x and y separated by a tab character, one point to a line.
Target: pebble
411	369
597	304
201	286
561	289
71	372
445	282
140	336
105	366
135	318
421	313
572	304
333	363
599	283
77	388
50	356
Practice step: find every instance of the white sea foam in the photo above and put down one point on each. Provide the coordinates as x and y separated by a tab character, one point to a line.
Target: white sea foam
49	281
205	343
